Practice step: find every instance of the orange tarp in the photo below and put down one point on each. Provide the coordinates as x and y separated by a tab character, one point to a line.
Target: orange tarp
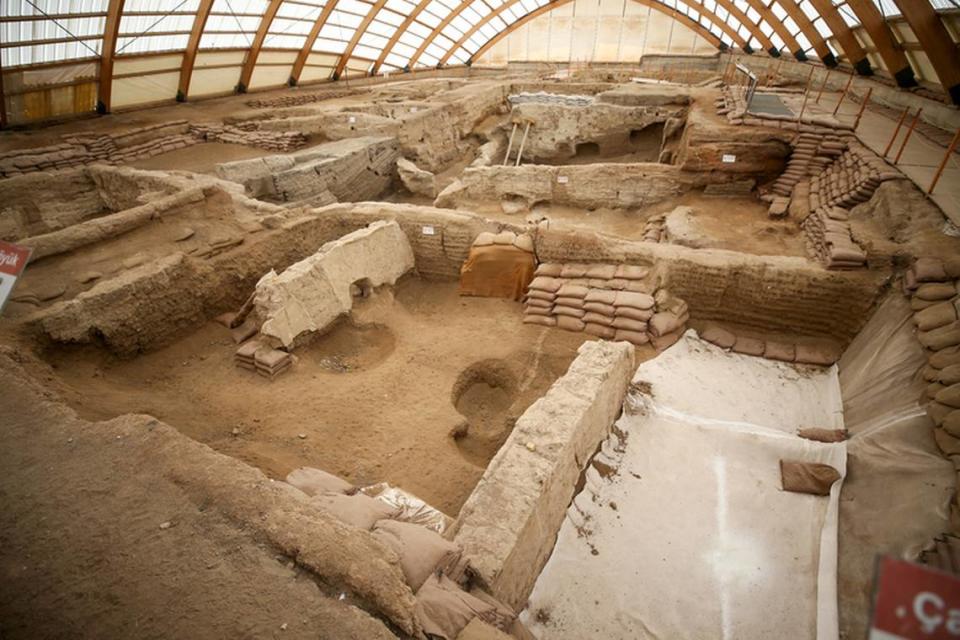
497	271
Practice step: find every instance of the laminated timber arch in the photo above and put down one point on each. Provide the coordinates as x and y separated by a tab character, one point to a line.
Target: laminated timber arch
936	43
806	27
848	42
247	72
111	30
653	4
307	47
193	45
894	59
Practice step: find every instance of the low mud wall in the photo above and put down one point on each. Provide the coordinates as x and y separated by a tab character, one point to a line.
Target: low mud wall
508	526
588	186
39	203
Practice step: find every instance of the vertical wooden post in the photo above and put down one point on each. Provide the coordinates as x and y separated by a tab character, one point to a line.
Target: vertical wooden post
903	116
823	86
863	106
943	163
844	94
913	125
3	102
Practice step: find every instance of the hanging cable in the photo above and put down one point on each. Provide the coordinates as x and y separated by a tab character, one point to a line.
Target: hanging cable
69	33
239	24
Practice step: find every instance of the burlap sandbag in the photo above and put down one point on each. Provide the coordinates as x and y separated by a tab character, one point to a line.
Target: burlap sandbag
949	396
929	270
539	302
936	291
541	295
634	314
597	318
601	271
951	423
817	354
573	312
718	336
572	291
538	311
444	609
938	412
635	337
945	357
601	296
948	443
313	481
421	550
569	323
951	266
936	315
749	346
565	301
574	270
599	307
551	269
823	435
933	389
600	330
941	337
635	300
546	283
629	324
666	340
782	351
358	509
545	321
663	323
807	477
949	375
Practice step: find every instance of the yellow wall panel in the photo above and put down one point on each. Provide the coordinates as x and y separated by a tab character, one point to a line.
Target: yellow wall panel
214	81
125	66
128	92
269	76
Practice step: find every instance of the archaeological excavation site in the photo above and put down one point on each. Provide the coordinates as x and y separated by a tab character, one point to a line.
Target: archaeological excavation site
530	319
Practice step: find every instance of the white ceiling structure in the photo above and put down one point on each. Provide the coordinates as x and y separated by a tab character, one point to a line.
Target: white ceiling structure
907	40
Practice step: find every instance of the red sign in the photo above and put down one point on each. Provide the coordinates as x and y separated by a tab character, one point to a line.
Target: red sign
915	602
13	260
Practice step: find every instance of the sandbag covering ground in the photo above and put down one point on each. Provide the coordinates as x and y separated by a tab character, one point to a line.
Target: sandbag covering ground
707	466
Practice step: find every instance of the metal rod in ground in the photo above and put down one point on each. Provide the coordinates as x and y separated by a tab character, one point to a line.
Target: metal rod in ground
844	94
903	116
943	163
523	141
510	144
863	106
913	124
822	86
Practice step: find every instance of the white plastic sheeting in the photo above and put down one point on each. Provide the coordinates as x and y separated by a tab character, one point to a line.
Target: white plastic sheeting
692	536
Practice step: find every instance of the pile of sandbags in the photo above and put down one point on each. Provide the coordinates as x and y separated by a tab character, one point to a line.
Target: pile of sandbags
733	105
262	359
297	99
812	153
828	239
613	302
851	179
818	353
934	285
653	228
499	265
433	567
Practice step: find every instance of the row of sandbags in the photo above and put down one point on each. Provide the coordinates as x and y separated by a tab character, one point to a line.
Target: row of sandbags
828	239
733	105
432	566
821	354
812	153
851	179
934	289
613	302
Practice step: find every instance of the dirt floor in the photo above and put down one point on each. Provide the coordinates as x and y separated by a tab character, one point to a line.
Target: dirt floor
375	400
200	158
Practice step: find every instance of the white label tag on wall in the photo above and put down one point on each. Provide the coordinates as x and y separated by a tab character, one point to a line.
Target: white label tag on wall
729	158
563	179
352	119
429	231
413	109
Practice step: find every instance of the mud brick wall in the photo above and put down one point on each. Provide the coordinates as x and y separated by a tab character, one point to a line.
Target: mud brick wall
150	305
38	203
766	293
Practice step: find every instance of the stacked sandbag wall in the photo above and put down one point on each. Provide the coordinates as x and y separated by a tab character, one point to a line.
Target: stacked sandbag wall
613	302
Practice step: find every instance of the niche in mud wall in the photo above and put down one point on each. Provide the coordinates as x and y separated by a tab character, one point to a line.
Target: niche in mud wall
640	144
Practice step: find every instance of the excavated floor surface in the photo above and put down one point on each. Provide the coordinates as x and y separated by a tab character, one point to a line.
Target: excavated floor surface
370	401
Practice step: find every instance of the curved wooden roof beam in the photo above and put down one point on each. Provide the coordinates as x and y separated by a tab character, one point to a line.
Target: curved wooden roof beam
307	47
111	30
847	41
193	44
936	43
396	35
552	5
778	27
744	19
808	29
357	34
247	72
893	56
